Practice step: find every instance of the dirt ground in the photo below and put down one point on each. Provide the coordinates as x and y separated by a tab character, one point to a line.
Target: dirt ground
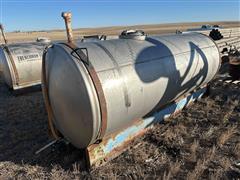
201	142
115	30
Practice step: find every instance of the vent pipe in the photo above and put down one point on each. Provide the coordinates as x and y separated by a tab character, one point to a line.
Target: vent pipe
67	16
3	34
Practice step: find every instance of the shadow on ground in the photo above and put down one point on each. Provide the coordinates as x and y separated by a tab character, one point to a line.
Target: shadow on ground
23	131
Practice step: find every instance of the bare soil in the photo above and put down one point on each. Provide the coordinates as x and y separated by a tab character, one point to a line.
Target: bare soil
202	142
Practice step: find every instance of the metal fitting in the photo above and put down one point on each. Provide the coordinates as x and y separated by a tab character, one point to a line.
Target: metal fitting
3	34
67	16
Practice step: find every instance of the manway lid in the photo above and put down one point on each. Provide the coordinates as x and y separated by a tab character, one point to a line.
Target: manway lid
72	96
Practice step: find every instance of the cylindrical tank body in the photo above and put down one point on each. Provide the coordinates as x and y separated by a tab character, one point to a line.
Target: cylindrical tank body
137	78
22	64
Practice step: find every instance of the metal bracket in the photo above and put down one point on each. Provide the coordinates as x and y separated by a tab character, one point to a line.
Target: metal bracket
81	55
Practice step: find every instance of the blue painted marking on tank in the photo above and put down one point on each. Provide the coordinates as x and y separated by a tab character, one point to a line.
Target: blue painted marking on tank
149	121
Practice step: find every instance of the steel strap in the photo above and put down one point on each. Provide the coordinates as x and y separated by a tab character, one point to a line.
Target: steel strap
98	87
13	64
52	130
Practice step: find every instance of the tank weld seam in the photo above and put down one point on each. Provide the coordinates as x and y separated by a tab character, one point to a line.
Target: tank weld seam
177	47
149	60
118	68
131	51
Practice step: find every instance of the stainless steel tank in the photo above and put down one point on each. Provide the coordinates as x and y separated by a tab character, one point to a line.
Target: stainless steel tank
102	87
21	64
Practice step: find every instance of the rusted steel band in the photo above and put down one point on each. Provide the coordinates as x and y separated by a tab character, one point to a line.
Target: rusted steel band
99	90
13	64
52	130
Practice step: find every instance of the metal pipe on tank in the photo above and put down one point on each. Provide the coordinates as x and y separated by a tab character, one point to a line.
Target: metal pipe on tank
3	34
67	16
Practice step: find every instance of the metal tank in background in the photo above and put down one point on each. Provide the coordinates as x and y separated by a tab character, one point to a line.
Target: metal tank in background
5	42
99	95
21	63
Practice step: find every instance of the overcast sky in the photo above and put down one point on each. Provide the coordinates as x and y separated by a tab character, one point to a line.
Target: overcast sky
46	14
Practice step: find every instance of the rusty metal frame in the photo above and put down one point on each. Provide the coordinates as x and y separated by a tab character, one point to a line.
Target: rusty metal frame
51	128
116	143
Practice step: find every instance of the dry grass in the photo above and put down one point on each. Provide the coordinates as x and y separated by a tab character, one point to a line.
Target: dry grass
226	135
237	150
225	164
232	106
209	133
193	150
202	164
174	168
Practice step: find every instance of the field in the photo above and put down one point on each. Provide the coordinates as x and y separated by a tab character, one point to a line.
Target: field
116	30
202	142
